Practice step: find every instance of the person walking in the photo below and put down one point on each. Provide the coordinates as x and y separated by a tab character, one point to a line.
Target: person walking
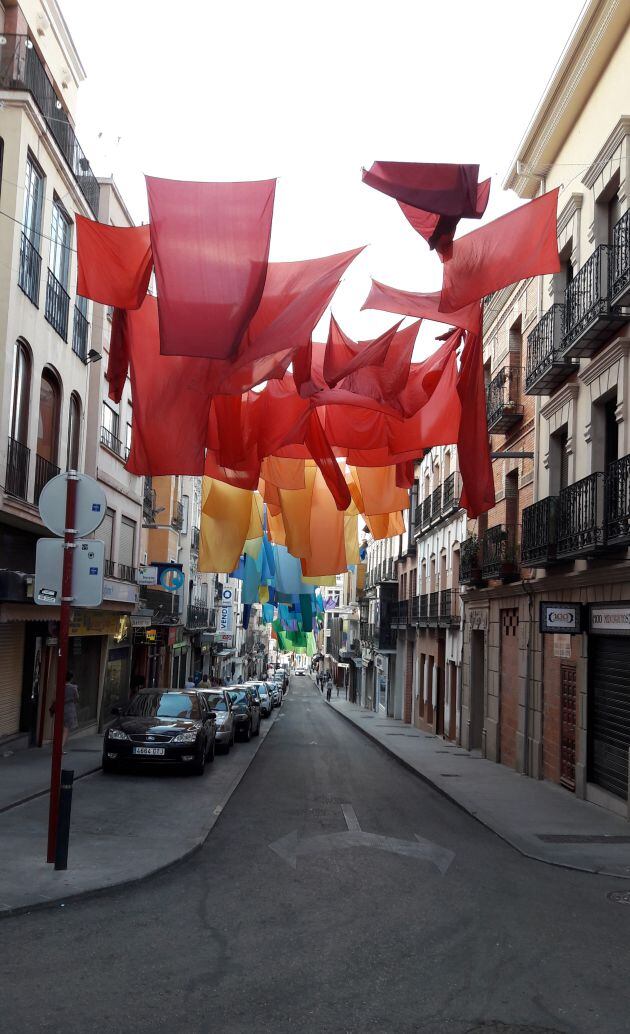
70	714
329	689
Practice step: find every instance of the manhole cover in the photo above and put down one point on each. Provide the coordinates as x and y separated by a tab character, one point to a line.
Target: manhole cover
619	897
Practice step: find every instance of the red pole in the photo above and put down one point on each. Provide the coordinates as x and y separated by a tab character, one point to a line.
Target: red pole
62	662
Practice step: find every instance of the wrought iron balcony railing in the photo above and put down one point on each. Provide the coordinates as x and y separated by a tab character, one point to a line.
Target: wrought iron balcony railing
121	572
80	334
45	471
57	305
470	562
426	512
21	69
177	520
148	501
18	460
434	607
30	269
449	608
589	317
194	539
111	442
503	403
436	503
400	612
414	609
451	491
197	615
423	609
546	366
499	557
581	523
619	278
618	503
539	533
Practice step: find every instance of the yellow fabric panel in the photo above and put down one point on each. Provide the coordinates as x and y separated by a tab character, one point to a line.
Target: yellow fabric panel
322	579
296	515
277	533
226	516
351	534
328	549
263	594
384	525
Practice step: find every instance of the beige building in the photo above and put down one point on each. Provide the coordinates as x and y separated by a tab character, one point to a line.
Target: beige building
547	643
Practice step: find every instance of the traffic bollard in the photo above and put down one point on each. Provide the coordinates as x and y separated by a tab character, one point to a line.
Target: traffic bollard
63	821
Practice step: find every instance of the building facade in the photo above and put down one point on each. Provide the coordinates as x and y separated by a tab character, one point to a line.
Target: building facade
378	604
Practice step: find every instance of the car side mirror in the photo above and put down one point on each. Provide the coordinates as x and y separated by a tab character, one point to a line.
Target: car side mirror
116	711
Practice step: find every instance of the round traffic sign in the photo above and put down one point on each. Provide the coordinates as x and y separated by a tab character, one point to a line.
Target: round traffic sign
90	507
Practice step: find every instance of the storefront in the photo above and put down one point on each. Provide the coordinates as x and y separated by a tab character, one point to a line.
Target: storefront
608	724
90	633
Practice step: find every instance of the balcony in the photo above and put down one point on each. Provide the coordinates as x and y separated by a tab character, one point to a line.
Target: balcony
499	556
45	471
434	607
177	520
618	503
194	539
148	502
423	609
436	503
16	479
502	401
414	610
589	318
451	491
80	333
111	442
619	271
449	608
21	69
400	613
30	269
197	615
581	527
426	512
546	367
470	564
57	305
120	572
539	533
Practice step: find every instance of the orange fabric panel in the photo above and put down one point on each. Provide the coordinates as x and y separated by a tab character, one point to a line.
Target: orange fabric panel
283	472
296	514
226	517
379	490
328	550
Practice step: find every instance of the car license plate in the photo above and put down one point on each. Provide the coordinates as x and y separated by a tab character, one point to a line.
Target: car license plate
149	750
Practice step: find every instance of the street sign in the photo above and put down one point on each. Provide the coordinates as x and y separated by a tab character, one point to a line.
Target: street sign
148	576
90	506
87	572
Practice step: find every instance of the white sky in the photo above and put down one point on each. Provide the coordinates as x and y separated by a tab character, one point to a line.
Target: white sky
244	89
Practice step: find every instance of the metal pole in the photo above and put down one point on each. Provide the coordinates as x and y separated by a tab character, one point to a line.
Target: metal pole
62	659
63	826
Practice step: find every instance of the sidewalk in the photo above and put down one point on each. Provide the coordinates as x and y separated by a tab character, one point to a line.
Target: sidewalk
540	819
124	827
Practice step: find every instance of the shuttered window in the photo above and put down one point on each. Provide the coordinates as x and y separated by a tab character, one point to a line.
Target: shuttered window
105	532
127	543
11	656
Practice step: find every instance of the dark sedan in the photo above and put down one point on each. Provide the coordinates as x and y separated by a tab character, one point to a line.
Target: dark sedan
246	711
161	726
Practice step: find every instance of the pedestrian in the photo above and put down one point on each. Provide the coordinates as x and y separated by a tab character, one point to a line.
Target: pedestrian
189	684
70	715
329	690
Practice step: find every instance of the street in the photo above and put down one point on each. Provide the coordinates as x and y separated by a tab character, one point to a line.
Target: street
291	918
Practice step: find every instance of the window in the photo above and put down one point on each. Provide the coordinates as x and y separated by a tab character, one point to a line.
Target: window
110	420
33	202
558	461
106	532
74	431
60	232
48	427
127	542
20	398
128	439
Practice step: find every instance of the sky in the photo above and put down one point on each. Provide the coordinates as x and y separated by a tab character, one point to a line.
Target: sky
311	93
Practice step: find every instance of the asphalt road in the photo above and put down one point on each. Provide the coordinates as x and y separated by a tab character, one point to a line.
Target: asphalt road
331	930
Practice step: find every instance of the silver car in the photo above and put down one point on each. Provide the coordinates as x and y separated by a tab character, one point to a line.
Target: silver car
275	690
266	703
218	700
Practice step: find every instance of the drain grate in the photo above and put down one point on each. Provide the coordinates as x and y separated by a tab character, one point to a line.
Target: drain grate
619	897
573	838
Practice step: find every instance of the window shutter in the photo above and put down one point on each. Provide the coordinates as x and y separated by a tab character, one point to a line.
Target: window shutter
127	543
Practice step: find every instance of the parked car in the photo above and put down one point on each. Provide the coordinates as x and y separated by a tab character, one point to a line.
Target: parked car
266	704
246	711
161	726
299	671
218	700
275	691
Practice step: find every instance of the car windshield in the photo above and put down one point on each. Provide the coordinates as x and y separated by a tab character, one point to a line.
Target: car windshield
216	701
238	696
164	705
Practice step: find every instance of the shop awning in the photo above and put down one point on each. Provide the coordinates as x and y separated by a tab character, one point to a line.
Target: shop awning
225	653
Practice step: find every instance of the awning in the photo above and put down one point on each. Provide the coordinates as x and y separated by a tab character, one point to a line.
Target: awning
225	653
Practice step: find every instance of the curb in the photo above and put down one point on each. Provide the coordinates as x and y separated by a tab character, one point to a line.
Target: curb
43	793
70	898
473	814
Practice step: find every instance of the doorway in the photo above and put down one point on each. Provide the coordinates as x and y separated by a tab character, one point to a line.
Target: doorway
477	679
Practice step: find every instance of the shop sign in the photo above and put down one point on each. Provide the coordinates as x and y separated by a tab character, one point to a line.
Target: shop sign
562	646
150	635
609	618
560	618
226	621
122	592
148	576
140	621
86	623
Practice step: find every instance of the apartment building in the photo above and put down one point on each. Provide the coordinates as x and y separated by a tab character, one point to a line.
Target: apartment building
546	675
378	604
45	341
342	641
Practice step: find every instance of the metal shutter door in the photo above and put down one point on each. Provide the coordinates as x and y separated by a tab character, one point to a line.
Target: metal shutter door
11	657
609	713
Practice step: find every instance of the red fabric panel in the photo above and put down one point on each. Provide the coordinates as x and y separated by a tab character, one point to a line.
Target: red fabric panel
405	474
387	381
440	188
439	230
238	478
319	448
171	401
118	361
391	299
211	246
518	245
425	376
114	263
343	356
473	441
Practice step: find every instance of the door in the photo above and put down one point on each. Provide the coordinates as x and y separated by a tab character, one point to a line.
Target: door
567	725
477	679
609	713
452	696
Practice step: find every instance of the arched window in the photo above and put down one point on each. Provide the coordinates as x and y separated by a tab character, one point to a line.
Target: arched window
74	432
20	397
48	427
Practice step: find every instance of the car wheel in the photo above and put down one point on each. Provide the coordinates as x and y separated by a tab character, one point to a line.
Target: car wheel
199	766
